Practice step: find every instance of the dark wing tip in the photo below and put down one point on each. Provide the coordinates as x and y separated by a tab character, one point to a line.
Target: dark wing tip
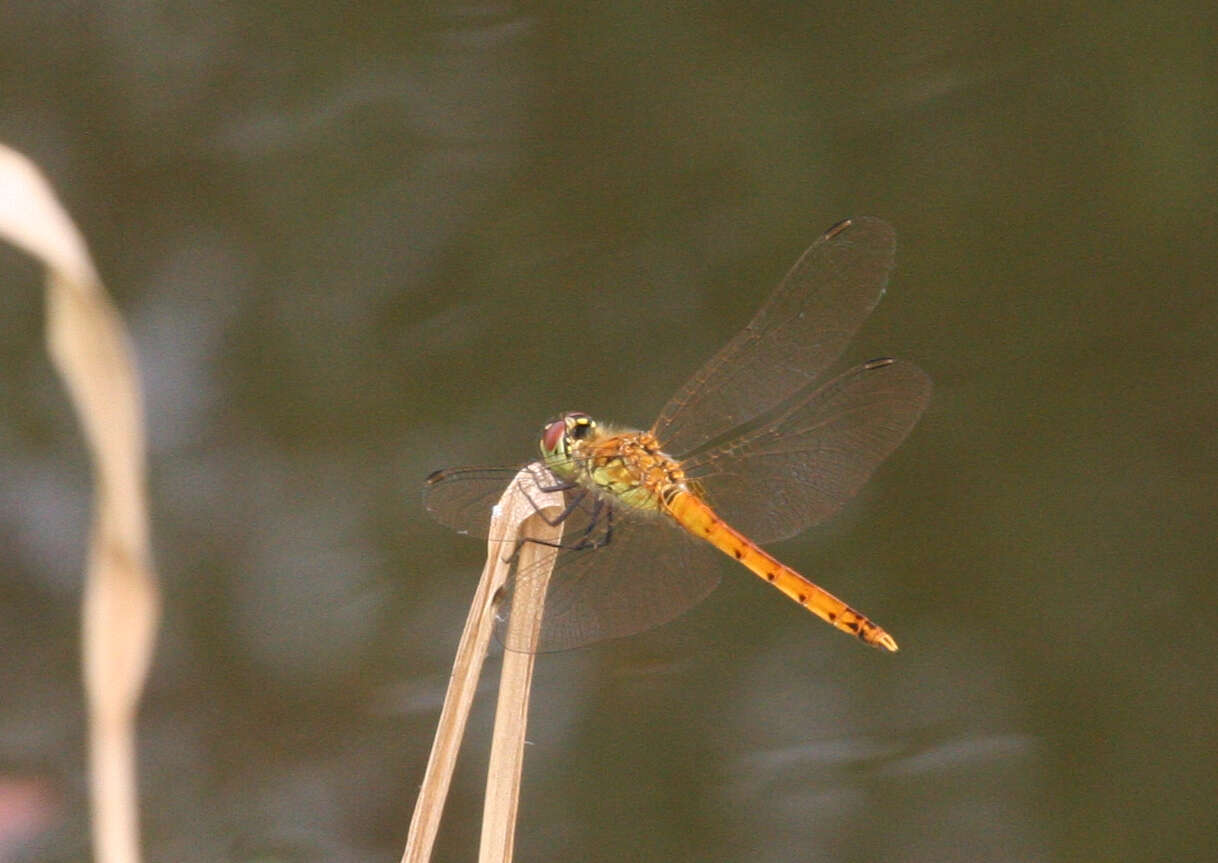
836	229
880	232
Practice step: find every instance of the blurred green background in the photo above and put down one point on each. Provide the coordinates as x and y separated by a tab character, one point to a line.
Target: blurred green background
357	244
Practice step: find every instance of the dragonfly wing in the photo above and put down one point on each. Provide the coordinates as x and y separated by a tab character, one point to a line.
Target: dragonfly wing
634	572
464	499
779	479
795	336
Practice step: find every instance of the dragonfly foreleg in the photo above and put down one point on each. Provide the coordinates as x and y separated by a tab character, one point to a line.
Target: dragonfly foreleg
546	481
565	513
595	534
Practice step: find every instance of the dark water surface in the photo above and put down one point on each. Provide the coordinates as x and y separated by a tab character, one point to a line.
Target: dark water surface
358	244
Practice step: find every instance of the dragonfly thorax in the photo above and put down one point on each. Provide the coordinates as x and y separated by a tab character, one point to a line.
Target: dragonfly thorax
626	464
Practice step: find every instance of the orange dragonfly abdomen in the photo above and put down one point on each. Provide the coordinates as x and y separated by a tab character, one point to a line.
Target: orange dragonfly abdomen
696	516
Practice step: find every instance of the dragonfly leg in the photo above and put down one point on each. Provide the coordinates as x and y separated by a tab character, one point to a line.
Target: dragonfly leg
599	508
599	530
608	537
595	534
572	505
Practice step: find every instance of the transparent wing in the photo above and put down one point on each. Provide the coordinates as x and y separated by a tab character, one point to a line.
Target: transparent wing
635	572
620	571
777	480
795	336
464	498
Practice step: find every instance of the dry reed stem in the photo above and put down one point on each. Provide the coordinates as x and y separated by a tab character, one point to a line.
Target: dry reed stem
515	683
89	346
514	509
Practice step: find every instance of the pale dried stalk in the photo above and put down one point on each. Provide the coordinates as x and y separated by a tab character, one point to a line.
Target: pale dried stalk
516	512
89	346
515	683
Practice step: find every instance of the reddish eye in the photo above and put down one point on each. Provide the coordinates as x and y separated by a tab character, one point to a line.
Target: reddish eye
552	435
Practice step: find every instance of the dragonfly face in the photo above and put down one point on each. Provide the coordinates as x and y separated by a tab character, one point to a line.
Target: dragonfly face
624	467
560	438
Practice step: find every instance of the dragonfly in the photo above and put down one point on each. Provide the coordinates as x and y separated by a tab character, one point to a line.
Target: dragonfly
757	446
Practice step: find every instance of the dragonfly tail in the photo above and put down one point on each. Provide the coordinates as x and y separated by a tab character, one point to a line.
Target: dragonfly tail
699	519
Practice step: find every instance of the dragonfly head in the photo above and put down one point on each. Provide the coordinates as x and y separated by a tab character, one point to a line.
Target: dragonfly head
560	437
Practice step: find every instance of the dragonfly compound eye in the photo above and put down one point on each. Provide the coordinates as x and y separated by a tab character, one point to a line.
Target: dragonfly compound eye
552	435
